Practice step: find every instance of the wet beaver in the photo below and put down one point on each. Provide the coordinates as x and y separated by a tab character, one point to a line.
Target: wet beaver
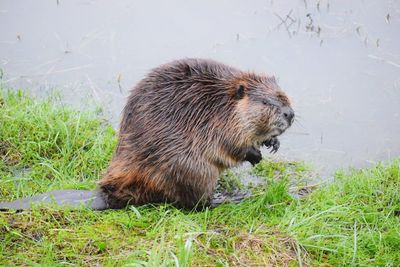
183	124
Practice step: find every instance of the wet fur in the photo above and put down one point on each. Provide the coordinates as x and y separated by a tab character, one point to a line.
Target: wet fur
185	123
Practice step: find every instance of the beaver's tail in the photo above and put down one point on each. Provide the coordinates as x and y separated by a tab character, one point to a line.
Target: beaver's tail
73	198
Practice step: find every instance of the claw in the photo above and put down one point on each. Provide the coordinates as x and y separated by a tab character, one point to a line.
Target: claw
274	143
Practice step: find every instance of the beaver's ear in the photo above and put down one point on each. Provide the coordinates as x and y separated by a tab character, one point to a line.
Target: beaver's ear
240	92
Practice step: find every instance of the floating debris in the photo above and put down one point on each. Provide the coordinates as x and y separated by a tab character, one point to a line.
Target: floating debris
358	30
119	78
288	21
387	18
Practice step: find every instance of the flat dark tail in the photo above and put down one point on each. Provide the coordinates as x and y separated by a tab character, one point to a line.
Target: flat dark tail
72	198
96	200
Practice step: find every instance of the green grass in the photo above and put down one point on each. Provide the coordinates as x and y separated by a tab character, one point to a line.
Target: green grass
43	146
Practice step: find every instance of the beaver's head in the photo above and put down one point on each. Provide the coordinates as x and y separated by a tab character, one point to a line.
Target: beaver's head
263	108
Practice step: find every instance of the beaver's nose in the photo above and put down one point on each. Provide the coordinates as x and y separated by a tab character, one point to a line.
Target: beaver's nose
288	113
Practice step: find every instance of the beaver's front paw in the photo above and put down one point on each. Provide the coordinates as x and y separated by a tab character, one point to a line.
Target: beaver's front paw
253	155
274	143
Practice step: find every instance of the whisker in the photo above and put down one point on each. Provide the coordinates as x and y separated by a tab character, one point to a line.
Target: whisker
298	116
299	123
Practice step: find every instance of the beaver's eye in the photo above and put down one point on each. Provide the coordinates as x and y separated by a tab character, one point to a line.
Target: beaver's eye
265	101
240	92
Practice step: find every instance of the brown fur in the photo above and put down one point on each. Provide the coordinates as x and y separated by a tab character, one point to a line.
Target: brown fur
185	123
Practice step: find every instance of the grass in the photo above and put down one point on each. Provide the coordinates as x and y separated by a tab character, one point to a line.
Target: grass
43	146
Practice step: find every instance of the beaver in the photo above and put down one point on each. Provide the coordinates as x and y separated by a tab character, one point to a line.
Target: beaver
185	123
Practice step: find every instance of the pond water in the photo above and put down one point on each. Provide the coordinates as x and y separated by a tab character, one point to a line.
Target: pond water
338	60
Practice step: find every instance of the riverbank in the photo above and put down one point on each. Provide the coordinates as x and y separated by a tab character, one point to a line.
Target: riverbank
46	146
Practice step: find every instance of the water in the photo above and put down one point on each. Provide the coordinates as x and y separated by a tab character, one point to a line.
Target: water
338	60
